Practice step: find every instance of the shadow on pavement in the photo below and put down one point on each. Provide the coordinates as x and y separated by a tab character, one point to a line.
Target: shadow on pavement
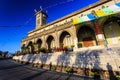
10	67
33	76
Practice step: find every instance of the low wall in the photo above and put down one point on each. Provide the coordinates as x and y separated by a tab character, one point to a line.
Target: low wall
105	59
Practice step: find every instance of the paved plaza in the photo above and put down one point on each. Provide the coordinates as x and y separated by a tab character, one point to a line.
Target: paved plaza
10	70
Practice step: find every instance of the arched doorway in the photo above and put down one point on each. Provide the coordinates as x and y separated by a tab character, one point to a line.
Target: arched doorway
30	47
39	43
65	39
111	30
50	42
86	36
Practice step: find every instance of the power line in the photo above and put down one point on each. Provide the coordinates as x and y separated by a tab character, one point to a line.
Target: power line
56	4
15	33
17	26
26	23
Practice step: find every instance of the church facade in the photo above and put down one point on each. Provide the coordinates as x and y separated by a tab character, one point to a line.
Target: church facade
95	25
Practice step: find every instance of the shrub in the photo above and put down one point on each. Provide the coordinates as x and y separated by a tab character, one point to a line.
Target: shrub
95	74
49	50
53	68
1	57
79	44
23	53
17	60
25	62
35	52
72	45
32	64
118	77
44	50
27	50
66	48
40	66
58	49
68	70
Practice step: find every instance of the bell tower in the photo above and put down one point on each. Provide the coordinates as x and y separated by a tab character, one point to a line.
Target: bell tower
41	18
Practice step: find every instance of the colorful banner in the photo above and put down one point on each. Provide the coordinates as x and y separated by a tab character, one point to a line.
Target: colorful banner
91	16
107	11
113	9
100	13
88	17
75	21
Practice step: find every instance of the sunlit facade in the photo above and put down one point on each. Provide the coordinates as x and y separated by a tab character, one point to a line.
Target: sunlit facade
95	25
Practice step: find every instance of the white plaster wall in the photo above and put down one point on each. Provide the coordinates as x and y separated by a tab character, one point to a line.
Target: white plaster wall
89	58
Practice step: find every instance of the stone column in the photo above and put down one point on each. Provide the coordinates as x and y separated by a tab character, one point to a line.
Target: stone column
34	44
57	42
44	42
75	39
99	35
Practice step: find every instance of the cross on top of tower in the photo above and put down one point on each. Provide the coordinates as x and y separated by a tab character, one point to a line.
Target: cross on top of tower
41	8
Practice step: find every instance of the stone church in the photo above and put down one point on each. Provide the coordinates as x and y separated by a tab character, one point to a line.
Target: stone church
95	25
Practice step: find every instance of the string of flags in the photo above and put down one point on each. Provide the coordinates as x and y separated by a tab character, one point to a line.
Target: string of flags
113	9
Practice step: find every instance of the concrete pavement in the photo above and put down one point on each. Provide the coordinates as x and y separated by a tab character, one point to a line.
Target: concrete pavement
10	70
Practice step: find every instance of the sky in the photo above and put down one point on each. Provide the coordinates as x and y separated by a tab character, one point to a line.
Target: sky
17	17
